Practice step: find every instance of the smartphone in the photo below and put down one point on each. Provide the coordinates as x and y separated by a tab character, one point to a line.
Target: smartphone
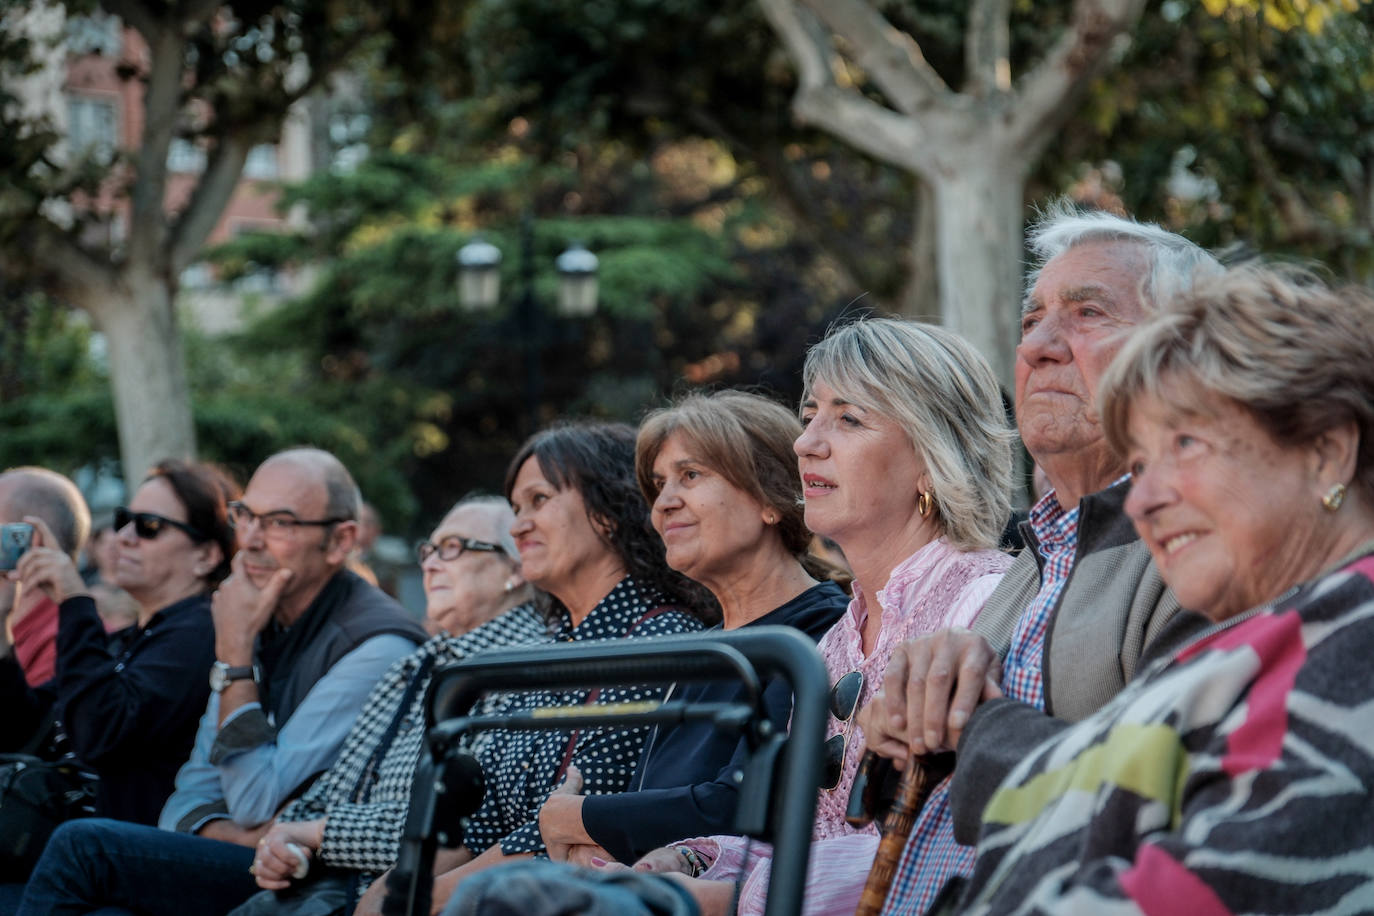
15	539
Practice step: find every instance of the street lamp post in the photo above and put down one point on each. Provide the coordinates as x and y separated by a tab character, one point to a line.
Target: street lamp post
479	289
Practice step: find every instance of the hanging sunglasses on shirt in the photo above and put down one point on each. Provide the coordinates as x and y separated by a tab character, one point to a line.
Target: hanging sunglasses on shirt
844	701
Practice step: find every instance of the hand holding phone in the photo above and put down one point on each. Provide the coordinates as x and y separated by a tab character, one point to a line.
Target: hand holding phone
15	540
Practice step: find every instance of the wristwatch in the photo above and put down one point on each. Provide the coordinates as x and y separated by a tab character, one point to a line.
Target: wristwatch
222	673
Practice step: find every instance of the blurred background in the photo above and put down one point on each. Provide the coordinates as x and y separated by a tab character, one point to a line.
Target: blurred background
412	234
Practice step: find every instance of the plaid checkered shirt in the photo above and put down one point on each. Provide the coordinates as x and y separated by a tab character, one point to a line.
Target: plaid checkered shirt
932	857
366	793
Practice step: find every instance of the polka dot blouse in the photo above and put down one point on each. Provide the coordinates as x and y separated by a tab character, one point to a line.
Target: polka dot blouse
521	768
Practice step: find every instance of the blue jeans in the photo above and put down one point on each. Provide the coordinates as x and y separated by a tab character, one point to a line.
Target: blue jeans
93	863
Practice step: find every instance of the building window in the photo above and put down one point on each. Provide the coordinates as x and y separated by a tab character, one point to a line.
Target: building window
185	156
262	163
91	127
94	33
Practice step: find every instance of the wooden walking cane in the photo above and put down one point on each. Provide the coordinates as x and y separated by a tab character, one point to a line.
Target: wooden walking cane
921	776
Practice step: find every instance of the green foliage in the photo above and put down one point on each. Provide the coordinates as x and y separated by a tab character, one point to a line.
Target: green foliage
422	399
50	386
1240	132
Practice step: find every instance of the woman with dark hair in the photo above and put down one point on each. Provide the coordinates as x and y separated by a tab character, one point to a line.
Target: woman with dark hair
583	533
721	478
131	715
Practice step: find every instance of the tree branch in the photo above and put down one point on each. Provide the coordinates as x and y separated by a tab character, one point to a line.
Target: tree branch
1047	95
161	107
987	48
809	49
878	131
68	271
889	56
195	223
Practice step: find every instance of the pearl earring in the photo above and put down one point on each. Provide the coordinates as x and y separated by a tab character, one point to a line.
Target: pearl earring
1334	497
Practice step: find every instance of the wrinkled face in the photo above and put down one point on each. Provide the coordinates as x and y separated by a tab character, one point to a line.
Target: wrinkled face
555	537
1082	303
167	563
467	591
1231	517
709	526
860	474
313	553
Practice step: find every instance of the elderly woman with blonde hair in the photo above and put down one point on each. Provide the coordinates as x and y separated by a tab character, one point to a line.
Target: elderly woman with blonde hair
1232	776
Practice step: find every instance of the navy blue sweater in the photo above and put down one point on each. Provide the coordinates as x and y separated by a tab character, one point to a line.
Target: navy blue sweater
684	779
132	716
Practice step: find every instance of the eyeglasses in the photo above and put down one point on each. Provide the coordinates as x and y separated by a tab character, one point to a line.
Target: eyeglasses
274	523
844	700
148	525
452	547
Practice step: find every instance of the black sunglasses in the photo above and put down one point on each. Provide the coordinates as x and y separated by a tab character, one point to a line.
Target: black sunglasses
148	525
452	547
844	701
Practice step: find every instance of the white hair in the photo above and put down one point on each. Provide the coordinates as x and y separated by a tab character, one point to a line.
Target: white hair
1174	263
502	520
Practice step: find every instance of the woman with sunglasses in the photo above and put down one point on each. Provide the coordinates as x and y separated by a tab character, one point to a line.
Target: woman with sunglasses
906	463
131	715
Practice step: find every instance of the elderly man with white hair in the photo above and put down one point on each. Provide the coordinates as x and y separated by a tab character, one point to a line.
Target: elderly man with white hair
1083	604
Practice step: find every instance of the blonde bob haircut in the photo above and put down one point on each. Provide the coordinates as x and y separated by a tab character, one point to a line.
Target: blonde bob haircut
1276	341
745	438
941	391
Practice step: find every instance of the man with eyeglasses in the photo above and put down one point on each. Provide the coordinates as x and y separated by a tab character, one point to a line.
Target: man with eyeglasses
352	817
299	643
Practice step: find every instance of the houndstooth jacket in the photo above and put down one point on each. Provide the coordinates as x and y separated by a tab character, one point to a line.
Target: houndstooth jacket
366	793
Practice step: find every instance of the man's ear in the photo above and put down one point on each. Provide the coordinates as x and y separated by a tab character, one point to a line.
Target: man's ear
341	542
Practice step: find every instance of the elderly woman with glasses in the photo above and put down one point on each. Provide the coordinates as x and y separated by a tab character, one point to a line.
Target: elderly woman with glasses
1233	775
132	716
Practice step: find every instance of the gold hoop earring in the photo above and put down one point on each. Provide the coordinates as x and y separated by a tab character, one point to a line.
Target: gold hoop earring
770	519
1334	497
925	504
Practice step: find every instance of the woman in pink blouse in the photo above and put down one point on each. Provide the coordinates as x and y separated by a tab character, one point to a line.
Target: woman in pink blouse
906	463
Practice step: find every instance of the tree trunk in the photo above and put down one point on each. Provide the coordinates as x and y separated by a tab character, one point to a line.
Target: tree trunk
978	250
147	374
920	294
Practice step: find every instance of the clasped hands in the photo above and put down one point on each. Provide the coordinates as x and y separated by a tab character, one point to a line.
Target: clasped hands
283	849
560	825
